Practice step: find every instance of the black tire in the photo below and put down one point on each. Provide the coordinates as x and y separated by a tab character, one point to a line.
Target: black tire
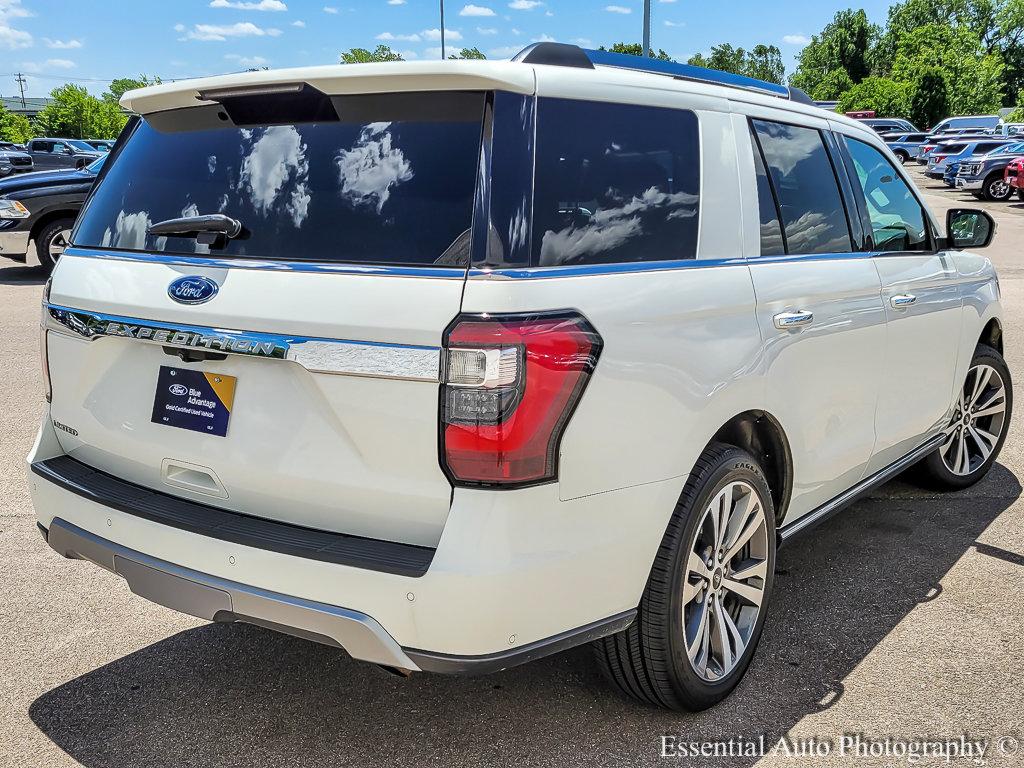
902	156
45	239
996	189
648	661
934	469
1020	194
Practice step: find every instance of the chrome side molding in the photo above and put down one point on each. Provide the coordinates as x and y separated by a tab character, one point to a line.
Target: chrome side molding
336	356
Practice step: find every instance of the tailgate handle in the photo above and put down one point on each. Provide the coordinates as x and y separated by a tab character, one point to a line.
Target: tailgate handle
192	477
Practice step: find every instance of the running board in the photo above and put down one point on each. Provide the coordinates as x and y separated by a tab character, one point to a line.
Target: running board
787	532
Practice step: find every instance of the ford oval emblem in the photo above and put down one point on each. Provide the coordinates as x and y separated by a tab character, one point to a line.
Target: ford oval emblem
192	290
178	389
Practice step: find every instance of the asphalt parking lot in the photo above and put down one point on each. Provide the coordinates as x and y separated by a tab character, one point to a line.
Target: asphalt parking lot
900	618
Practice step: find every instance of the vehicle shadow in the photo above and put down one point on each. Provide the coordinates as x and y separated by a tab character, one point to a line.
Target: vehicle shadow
239	695
21	275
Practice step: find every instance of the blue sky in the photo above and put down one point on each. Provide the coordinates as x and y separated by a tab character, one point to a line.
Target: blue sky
53	41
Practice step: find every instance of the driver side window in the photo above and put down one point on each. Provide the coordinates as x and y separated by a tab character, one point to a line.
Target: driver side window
898	223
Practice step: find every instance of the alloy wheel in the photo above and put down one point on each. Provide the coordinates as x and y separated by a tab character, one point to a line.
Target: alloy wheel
978	421
57	245
999	190
726	572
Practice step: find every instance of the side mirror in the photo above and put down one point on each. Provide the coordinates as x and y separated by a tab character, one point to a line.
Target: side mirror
68	151
969	228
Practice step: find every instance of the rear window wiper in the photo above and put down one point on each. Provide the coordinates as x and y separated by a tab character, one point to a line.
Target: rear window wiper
210	229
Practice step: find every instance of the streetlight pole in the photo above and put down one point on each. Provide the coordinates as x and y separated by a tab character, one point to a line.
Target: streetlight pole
647	27
442	30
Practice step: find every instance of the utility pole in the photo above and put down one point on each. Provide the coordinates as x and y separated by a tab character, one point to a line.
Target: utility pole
20	80
647	27
442	30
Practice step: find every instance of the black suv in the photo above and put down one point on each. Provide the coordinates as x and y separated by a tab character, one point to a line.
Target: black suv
50	154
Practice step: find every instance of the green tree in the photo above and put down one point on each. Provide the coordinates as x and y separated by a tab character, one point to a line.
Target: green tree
76	114
844	44
120	85
362	56
468	53
833	85
14	127
636	49
763	62
886	97
929	101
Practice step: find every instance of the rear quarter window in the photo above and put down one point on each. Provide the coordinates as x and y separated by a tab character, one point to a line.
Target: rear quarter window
614	183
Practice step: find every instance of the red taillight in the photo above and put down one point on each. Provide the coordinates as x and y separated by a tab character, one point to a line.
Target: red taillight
511	383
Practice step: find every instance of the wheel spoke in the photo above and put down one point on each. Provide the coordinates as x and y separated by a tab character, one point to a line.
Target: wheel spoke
992	406
980	382
695	564
750	569
746	591
733	631
985	441
965	454
693	646
741	510
720	638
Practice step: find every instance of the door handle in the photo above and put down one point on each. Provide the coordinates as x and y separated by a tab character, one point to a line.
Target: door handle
902	301
785	321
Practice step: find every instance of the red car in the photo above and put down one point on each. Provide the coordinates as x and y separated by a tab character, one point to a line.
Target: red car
1014	176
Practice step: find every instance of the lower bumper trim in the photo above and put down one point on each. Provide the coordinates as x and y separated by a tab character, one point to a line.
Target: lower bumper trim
13	242
216	599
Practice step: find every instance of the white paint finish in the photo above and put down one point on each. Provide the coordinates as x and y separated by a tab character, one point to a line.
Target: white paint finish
748	211
822	380
499	554
720	237
922	342
679	358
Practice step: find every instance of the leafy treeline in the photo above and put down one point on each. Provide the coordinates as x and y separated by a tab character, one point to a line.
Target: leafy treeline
384	53
74	113
932	58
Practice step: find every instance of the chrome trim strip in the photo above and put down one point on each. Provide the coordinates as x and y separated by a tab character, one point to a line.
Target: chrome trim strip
216	599
336	356
445	273
829	508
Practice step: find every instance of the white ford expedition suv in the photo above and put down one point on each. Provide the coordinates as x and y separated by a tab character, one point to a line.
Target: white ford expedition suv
457	364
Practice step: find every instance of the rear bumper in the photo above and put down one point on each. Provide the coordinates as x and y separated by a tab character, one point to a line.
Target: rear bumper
215	599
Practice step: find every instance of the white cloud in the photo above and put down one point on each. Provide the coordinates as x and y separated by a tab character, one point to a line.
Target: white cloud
666	1
432	53
299	23
129	231
796	39
277	159
221	32
504	51
475	10
408	55
330	9
524	5
450	35
242	5
586	42
545	39
675	23
179	27
486	31
413	38
369	170
62	44
60	63
12	39
396	2
245	61
13	9
515	31
618	9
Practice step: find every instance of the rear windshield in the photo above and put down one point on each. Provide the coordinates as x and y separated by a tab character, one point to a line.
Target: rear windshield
373	179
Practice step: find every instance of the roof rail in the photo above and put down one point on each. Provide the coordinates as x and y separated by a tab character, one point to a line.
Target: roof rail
565	55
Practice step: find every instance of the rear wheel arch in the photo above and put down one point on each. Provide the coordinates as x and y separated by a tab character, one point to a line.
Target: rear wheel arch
57	213
762	436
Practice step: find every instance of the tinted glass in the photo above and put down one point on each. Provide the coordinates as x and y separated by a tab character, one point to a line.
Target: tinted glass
771	230
390	179
897	220
813	215
988	146
614	183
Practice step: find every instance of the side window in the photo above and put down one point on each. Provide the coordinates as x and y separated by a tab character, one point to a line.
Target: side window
813	215
57	148
772	243
614	183
898	222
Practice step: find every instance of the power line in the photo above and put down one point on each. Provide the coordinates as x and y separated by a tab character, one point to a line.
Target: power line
20	80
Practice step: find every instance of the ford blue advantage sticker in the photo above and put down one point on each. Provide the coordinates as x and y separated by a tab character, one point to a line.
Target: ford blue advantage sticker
194	400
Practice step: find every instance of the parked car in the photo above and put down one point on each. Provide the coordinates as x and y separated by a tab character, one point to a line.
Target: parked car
38	210
502	392
1014	176
50	154
101	145
889	124
966	122
1012	130
905	146
984	175
959	149
14	161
